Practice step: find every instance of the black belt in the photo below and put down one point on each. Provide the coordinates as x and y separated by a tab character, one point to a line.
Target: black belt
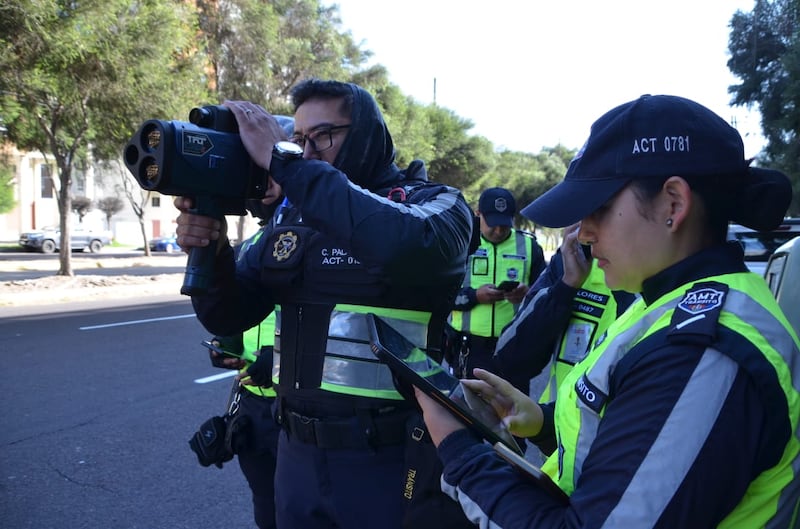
359	431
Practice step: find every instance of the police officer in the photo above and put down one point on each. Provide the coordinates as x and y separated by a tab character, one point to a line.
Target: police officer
258	455
566	309
356	235
484	305
685	412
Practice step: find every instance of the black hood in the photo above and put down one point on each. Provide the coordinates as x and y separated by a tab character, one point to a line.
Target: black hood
367	154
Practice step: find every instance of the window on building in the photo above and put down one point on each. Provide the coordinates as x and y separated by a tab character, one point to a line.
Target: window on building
48	189
155	202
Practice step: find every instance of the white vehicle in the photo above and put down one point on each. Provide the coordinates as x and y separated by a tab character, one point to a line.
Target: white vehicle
48	239
783	277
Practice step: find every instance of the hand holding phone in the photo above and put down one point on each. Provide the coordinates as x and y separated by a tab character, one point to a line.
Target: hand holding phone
508	286
219	350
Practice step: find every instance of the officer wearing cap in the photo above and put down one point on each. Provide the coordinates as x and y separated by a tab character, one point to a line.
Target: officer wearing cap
686	412
497	277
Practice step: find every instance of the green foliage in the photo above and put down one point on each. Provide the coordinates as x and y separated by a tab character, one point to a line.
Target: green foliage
526	175
75	75
765	54
259	50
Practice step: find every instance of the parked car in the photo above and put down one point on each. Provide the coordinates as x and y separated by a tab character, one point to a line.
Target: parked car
783	277
48	239
167	244
760	245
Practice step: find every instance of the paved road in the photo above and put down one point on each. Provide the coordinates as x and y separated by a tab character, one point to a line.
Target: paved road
99	401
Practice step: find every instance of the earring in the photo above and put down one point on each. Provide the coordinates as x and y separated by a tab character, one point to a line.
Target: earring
669	223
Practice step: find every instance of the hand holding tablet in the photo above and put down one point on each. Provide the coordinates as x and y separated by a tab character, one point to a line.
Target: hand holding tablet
412	367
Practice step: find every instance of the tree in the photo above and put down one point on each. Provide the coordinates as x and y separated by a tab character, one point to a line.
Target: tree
77	77
765	54
257	51
139	199
81	206
110	206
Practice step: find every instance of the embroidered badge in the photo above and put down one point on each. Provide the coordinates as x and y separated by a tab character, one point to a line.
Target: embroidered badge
285	246
703	300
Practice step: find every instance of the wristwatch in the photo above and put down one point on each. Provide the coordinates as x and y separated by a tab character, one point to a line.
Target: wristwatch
287	151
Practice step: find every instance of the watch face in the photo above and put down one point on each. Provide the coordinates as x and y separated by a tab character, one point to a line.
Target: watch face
288	148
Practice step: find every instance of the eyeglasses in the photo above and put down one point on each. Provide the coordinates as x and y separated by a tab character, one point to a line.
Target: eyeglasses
320	139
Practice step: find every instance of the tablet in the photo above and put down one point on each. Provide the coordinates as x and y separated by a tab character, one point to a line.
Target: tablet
413	367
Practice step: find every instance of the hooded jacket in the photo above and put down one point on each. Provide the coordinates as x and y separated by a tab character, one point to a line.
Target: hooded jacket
342	239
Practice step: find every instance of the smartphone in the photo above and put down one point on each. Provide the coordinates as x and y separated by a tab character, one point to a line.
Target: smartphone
217	349
508	286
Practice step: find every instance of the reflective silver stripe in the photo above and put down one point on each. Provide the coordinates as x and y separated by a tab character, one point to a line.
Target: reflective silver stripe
349	360
709	384
348	373
599	375
777	339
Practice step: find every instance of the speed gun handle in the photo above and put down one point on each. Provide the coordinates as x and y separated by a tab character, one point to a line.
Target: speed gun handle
200	264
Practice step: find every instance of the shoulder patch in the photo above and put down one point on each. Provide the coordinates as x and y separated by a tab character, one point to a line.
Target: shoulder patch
697	313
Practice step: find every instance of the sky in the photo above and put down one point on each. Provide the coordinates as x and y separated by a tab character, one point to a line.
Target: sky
531	74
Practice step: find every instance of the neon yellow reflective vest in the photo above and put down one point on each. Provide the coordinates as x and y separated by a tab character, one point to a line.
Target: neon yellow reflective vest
262	335
493	264
253	339
594	310
750	311
349	366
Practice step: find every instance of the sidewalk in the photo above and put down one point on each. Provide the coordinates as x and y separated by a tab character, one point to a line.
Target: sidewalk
53	289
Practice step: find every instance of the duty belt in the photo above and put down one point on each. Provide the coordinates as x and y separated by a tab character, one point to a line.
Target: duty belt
360	431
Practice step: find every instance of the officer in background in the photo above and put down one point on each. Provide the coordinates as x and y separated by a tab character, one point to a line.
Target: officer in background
258	456
497	278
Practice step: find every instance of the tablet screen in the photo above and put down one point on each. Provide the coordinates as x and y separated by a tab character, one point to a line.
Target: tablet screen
414	367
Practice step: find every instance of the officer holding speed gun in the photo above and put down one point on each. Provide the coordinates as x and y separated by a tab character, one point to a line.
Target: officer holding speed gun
354	235
498	275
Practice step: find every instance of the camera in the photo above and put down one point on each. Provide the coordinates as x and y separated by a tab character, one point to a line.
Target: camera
204	159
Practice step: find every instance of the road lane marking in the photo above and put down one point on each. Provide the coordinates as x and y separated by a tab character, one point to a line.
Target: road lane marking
214	378
134	322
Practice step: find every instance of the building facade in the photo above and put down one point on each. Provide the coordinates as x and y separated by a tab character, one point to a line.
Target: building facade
35	183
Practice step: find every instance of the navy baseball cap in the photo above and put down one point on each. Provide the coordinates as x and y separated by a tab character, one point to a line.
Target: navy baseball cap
659	136
497	206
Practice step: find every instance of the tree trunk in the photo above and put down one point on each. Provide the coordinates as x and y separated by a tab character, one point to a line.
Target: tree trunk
144	237
64	207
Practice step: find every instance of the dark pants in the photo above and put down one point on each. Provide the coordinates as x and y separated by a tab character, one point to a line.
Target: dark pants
325	488
259	459
330	477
